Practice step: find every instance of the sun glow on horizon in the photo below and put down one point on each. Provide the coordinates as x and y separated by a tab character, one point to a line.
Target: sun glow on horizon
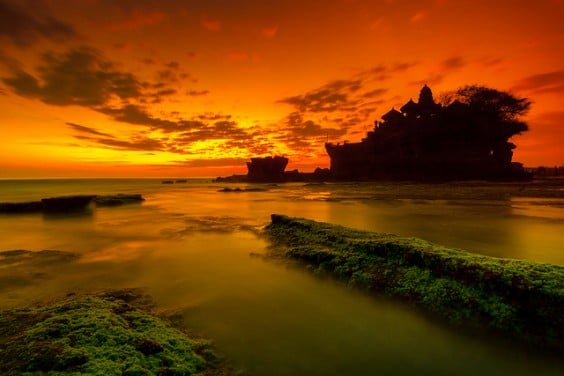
109	88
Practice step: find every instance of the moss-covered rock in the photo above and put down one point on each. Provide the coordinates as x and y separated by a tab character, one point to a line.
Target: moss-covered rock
110	333
518	298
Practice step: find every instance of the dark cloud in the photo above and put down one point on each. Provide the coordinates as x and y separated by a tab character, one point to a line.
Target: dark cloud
219	130
23	84
334	109
134	114
333	96
173	65
78	77
83	76
216	162
136	143
297	132
549	82
492	61
432	79
383	72
213	116
196	93
374	93
401	67
89	130
453	63
24	28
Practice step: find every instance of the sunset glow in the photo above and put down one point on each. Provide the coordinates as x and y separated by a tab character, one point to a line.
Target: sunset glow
139	88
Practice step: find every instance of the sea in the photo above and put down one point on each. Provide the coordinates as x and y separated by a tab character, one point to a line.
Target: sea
199	252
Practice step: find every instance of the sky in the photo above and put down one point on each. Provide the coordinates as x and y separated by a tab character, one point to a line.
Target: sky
194	88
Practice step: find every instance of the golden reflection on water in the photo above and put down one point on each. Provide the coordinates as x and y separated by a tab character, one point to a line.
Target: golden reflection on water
190	248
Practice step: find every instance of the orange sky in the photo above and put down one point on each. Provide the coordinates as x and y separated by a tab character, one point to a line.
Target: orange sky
100	88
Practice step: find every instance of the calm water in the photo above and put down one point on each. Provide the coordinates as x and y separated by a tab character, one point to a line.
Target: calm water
190	247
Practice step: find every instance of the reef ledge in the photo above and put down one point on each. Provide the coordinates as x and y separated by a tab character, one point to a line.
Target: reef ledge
515	298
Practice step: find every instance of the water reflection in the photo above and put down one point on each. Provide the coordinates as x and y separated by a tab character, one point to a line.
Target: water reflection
189	247
273	319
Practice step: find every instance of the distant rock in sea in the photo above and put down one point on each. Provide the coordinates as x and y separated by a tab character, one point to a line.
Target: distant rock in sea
68	204
255	189
65	204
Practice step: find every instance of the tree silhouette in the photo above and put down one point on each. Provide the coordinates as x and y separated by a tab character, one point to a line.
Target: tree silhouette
497	114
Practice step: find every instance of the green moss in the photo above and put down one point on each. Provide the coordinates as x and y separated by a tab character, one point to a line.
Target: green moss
103	334
519	298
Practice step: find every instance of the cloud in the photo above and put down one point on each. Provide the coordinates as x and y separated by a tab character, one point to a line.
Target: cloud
228	130
78	77
383	72
432	79
374	93
213	116
82	76
211	24
134	114
216	162
137	19
136	143
197	93
335	109
548	82
89	130
24	28
305	135
333	96
492	61
452	63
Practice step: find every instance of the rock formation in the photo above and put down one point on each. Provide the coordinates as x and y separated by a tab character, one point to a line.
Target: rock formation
427	141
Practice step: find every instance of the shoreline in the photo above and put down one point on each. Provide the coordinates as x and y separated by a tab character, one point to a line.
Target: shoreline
109	332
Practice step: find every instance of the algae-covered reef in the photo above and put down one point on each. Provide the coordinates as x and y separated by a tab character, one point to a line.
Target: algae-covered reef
109	333
519	299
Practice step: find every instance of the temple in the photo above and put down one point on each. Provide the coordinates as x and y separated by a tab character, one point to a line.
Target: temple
427	141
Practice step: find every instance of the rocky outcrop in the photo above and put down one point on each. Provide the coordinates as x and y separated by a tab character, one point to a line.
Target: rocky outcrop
68	204
266	169
65	204
21	207
426	141
117	200
515	298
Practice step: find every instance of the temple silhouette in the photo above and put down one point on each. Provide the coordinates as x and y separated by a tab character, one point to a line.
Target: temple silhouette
427	141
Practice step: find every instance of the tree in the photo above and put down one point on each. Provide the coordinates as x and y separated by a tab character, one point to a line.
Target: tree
496	114
493	103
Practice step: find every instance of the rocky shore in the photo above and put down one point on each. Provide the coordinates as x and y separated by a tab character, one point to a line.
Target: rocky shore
106	333
517	299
